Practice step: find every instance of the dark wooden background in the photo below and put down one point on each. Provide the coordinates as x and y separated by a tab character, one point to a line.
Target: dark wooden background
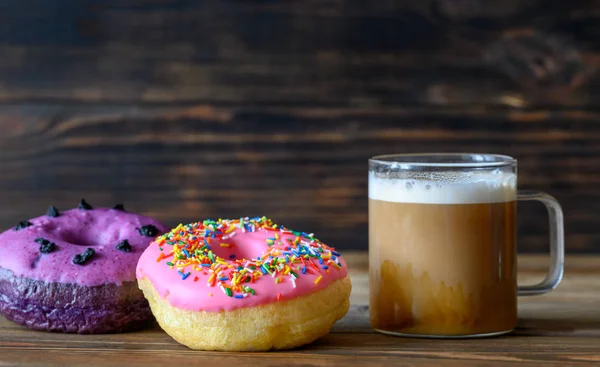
192	109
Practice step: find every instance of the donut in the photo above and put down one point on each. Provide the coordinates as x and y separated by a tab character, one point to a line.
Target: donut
243	285
74	271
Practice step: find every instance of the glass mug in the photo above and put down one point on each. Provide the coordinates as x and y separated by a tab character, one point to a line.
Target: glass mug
442	244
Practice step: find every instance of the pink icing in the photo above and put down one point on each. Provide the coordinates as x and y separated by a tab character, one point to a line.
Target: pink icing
73	231
195	294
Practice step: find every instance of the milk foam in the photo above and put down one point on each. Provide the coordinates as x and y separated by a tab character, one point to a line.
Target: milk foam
458	188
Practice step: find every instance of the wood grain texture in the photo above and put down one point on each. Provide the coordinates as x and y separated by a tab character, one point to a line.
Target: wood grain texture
305	169
194	109
561	328
347	52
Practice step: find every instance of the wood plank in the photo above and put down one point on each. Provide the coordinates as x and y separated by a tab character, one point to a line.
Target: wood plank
306	168
166	104
440	53
557	329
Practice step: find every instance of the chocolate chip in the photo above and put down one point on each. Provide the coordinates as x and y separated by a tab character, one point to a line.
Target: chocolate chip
42	241
83	205
119	207
82	258
148	231
52	212
45	245
124	246
22	224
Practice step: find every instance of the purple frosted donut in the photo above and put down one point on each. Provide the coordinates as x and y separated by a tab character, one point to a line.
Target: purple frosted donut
74	271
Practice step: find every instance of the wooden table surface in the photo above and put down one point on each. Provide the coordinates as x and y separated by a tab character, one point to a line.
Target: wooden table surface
558	329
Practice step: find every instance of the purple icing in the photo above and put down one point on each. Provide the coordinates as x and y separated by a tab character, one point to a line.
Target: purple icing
73	232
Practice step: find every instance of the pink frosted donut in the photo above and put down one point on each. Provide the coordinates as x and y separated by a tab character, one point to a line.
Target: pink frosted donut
236	284
75	271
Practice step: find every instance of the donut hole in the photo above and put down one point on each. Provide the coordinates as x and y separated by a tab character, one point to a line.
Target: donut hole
242	246
234	252
78	238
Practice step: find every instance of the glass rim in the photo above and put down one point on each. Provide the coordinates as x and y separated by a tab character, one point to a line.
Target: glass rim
483	160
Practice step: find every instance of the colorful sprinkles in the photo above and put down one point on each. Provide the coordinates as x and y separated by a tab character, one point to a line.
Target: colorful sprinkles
289	254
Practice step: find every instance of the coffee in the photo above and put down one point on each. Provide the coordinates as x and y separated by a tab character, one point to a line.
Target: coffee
442	254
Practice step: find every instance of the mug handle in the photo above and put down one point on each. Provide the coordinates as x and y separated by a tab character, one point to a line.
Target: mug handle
557	243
